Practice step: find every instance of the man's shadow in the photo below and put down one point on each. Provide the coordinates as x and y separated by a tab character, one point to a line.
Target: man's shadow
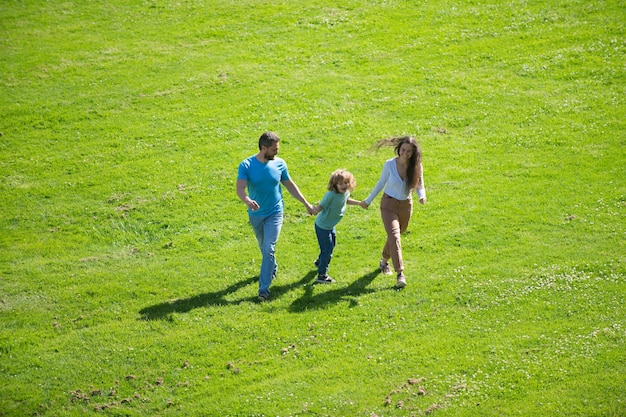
183	305
163	311
350	293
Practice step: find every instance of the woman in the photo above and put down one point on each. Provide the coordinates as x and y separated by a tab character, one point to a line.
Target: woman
400	177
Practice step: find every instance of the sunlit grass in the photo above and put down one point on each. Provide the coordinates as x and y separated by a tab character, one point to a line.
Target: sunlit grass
128	272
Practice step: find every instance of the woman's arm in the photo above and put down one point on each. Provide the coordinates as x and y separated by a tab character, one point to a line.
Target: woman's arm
421	192
382	181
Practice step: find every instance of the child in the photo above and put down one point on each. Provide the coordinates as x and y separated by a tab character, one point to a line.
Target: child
331	211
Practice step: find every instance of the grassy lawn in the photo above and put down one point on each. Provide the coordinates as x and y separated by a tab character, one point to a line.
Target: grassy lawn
128	271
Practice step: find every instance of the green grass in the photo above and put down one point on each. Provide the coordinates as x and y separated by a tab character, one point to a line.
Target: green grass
128	272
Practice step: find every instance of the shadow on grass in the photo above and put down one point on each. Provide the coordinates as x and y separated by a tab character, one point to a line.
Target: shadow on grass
280	290
350	293
163	311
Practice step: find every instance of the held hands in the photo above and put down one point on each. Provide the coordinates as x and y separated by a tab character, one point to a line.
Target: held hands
364	205
312	210
315	210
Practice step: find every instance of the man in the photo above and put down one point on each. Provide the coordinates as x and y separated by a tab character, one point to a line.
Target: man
262	175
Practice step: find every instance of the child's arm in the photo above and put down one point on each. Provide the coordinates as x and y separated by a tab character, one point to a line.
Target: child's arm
354	202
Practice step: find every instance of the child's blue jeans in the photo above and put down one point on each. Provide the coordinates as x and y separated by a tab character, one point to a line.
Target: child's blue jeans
327	240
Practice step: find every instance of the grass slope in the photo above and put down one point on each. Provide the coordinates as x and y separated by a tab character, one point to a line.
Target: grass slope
128	270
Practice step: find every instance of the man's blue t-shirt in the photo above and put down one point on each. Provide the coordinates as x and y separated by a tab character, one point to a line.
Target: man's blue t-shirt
263	181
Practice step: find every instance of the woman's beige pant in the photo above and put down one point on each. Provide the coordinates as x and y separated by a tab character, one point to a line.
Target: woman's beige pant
396	215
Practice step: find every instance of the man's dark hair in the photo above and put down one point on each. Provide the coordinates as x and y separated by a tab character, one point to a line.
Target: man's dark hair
267	139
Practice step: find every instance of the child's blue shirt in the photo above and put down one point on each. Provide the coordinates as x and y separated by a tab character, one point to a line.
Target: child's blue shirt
334	206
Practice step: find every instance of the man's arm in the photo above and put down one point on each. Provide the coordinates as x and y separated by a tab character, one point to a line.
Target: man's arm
295	192
241	193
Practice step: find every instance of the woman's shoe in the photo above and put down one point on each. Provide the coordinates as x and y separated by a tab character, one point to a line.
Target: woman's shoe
401	280
384	267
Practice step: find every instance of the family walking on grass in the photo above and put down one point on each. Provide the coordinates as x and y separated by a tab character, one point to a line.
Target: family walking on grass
261	175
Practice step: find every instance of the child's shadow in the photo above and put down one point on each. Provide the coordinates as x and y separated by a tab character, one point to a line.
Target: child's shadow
163	311
309	301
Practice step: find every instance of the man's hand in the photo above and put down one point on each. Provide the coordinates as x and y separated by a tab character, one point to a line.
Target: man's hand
252	205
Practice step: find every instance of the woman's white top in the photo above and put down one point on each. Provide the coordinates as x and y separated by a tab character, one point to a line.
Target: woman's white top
394	184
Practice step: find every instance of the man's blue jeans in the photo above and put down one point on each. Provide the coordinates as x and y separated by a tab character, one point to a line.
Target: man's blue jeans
267	230
327	240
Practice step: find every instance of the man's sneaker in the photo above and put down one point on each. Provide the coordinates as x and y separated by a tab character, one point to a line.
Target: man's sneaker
262	298
317	262
401	281
384	267
324	279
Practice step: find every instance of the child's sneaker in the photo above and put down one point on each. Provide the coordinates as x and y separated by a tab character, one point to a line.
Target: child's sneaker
384	267
401	281
324	279
317	262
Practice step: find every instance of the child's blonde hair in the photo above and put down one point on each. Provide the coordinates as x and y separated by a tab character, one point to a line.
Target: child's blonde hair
341	176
